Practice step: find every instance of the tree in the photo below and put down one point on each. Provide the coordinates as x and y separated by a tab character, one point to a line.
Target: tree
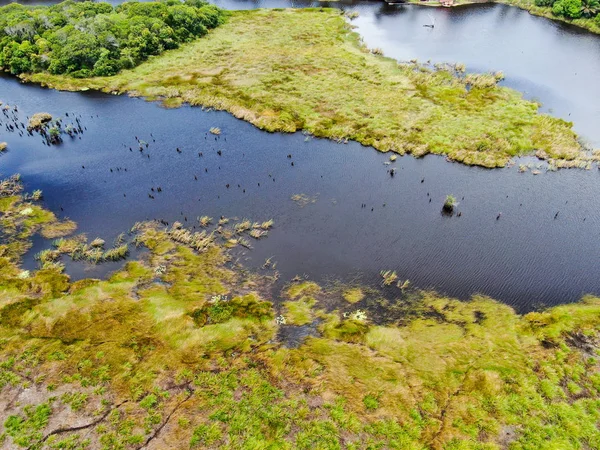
570	9
590	8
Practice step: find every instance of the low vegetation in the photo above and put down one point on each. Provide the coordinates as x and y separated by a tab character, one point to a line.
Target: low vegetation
304	69
86	39
180	349
581	13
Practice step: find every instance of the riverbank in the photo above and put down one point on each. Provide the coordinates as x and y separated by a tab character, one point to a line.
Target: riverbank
183	348
589	24
295	70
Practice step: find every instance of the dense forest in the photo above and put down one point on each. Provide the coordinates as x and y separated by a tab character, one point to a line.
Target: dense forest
573	9
85	39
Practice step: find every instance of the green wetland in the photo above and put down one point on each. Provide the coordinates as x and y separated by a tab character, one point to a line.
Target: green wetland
178	278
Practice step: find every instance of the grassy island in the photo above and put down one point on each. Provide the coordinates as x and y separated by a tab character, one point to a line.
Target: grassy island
290	70
184	349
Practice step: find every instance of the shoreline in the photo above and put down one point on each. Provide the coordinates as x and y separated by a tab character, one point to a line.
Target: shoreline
581	23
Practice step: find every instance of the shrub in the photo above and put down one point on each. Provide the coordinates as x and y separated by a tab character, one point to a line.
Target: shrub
570	9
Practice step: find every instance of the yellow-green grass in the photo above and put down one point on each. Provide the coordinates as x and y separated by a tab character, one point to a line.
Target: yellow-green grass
353	295
304	69
188	357
299	312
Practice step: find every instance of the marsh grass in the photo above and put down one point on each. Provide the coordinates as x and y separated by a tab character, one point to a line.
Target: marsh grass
304	69
184	346
389	277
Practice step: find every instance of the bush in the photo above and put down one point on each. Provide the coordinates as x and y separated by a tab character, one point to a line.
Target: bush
86	39
570	9
546	3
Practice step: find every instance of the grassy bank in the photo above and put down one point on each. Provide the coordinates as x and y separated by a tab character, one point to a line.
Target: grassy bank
591	24
183	349
289	70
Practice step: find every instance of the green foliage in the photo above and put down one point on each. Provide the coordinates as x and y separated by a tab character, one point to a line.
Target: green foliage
570	9
26	429
86	39
371	402
590	8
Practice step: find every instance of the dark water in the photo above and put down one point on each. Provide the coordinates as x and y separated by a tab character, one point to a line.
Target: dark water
526	259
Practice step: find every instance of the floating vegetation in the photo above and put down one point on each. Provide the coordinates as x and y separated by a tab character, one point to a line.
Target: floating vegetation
223	221
257	233
449	204
3	146
215	130
97	242
303	199
242	226
403	284
116	253
352	15
205	221
244	242
389	277
38	120
393	158
267	225
523	168
47	256
36	195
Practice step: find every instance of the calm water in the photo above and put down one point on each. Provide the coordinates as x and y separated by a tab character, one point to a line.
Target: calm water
526	259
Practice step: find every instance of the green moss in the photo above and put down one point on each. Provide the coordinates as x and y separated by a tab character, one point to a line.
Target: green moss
353	295
302	288
299	312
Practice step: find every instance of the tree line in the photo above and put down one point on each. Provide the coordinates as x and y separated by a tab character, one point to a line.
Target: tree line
573	9
84	39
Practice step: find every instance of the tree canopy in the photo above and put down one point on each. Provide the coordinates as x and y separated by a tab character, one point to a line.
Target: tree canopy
85	39
573	9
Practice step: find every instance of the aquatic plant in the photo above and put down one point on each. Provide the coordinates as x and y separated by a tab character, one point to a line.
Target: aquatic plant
242	226
205	221
403	284
3	146
449	204
215	130
116	253
97	242
389	277
303	199
257	234
38	120
353	295
267	224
